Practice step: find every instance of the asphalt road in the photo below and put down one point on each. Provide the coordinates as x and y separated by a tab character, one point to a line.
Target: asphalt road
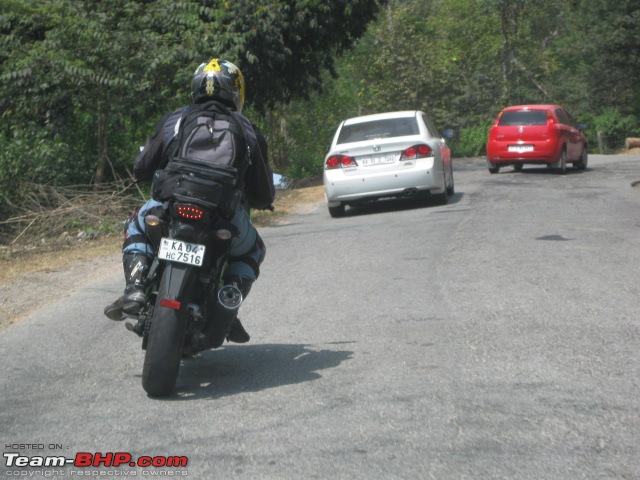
495	337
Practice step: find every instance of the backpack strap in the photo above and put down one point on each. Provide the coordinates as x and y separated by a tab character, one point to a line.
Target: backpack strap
237	122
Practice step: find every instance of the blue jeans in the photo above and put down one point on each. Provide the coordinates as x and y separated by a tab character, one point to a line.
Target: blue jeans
246	255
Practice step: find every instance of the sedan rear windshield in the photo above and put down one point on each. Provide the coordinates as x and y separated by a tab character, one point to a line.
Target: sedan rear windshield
528	117
387	128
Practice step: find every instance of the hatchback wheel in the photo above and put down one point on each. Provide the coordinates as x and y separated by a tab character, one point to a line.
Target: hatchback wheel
584	159
561	164
494	169
338	211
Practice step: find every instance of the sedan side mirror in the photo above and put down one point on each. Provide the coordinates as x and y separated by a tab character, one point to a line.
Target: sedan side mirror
448	134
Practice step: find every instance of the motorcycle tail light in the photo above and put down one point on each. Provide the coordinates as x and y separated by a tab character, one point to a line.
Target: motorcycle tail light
173	304
190	212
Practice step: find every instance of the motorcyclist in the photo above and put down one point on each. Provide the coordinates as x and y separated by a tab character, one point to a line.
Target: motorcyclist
221	81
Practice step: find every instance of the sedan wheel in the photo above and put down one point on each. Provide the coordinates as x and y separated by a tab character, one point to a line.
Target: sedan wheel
451	190
494	169
338	211
443	198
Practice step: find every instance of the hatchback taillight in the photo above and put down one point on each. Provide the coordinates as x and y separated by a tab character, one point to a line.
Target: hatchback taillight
550	119
338	161
417	151
190	212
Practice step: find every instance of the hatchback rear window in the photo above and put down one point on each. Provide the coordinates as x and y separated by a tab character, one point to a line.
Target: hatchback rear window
387	128
528	117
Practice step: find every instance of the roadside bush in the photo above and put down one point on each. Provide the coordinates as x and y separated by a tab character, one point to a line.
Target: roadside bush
25	160
34	156
615	127
471	141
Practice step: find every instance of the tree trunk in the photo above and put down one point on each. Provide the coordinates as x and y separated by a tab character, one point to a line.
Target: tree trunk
102	119
509	11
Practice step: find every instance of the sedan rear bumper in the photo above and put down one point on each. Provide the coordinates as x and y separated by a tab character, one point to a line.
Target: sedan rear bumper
343	188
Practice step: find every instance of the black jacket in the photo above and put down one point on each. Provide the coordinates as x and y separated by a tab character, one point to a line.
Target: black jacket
259	189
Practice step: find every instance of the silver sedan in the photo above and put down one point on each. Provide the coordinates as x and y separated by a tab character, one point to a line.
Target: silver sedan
395	154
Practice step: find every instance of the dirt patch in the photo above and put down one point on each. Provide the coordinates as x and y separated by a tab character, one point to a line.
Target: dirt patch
287	202
33	276
30	282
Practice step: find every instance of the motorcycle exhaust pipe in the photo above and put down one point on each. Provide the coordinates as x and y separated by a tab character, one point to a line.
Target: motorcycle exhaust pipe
230	297
220	317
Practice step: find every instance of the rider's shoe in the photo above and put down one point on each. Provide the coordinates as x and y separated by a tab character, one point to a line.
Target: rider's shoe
128	304
237	333
138	328
135	269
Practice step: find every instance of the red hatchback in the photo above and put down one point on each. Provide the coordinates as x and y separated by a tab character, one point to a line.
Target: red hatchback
536	134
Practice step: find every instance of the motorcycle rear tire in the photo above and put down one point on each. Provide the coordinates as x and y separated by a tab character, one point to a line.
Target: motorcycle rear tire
164	351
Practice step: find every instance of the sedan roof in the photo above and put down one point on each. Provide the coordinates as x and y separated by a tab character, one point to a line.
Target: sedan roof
380	116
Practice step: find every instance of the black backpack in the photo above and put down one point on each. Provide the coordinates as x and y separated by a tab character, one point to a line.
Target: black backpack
208	160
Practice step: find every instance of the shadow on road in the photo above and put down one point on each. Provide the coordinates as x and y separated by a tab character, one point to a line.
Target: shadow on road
398	204
532	169
234	369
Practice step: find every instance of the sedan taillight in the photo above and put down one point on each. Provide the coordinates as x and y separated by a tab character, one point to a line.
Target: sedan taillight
417	151
338	161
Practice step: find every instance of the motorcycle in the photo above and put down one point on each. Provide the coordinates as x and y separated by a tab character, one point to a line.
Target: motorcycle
189	307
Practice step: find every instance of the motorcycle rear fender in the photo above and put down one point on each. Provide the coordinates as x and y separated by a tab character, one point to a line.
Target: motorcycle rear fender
179	279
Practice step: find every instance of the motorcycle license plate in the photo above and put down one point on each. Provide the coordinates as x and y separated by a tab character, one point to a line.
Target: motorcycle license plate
181	252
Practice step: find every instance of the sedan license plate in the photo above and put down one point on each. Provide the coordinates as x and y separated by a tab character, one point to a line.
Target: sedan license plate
378	159
181	252
521	148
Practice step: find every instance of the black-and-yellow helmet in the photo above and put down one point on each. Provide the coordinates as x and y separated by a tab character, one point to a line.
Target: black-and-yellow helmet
218	79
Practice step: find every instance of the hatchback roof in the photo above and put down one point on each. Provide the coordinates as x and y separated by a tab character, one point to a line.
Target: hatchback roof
532	107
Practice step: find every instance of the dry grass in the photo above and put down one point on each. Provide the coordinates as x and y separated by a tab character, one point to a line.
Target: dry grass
55	256
287	202
44	254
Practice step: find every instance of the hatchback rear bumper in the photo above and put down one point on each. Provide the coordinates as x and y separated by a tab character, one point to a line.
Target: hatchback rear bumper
543	153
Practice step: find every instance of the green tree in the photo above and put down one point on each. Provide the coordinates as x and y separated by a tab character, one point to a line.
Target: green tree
82	81
604	71
80	72
290	44
462	61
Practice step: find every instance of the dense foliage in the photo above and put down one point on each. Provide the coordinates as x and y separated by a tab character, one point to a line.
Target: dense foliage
462	61
83	82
